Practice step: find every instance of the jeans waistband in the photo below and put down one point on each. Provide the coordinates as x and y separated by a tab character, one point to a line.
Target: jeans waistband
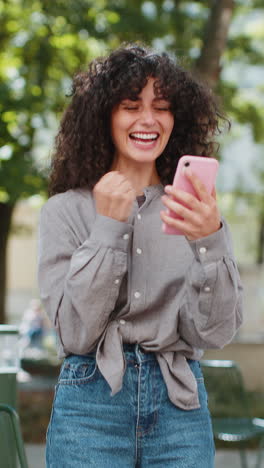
135	351
132	351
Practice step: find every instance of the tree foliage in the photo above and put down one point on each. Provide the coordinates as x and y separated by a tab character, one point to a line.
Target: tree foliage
44	42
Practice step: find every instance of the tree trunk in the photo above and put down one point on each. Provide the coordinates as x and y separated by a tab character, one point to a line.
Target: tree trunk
208	64
6	211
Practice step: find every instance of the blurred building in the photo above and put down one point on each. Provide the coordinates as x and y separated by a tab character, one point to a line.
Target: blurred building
22	259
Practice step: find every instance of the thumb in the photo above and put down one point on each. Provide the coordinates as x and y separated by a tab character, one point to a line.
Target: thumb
214	193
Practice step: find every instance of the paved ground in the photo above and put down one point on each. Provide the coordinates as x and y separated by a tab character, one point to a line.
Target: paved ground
224	459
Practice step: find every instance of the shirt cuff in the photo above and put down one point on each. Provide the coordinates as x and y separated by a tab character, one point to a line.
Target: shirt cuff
111	233
211	248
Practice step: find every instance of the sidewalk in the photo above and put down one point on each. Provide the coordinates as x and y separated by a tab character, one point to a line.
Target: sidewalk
231	459
224	458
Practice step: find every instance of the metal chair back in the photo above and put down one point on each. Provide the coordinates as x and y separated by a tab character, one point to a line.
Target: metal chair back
15	425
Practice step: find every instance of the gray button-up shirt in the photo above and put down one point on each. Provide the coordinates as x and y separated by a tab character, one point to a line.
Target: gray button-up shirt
105	282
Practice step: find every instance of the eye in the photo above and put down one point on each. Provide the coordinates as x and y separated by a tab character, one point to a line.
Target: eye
130	108
129	105
163	108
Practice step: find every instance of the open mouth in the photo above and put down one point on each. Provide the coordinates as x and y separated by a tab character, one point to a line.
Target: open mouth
144	137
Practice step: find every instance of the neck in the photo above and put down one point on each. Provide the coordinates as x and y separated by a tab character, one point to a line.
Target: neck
140	175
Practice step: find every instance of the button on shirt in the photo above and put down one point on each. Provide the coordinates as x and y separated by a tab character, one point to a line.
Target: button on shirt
105	282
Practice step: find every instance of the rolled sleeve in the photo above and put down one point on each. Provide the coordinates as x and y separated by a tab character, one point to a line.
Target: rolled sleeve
211	248
212	308
79	282
111	233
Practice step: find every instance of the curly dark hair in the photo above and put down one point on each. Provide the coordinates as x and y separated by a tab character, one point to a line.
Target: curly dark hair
84	148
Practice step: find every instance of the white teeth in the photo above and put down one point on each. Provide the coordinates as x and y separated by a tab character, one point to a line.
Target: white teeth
145	136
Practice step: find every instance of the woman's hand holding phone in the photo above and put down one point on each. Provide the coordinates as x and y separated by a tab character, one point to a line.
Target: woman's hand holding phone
194	215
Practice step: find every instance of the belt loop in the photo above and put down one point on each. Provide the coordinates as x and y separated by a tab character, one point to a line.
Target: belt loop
137	353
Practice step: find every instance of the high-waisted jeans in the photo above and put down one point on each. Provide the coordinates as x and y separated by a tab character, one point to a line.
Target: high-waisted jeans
138	427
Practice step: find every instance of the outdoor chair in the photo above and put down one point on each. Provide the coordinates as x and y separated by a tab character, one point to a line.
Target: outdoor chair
16	434
230	408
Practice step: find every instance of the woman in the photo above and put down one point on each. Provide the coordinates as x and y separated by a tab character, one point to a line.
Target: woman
134	308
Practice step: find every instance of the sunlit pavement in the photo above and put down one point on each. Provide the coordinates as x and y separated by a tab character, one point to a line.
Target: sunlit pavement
231	459
224	458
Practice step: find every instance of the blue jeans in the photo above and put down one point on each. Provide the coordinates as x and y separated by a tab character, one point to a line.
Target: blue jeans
139	427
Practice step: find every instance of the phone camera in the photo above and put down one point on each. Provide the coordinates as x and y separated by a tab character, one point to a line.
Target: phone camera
186	164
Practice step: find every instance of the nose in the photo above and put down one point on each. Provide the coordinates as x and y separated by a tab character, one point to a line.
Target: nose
147	117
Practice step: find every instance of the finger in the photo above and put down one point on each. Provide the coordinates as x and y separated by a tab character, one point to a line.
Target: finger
199	187
185	227
105	180
113	180
174	222
109	175
131	192
214	193
177	208
119	178
125	185
183	197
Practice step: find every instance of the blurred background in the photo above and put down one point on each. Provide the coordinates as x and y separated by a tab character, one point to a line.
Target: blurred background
42	43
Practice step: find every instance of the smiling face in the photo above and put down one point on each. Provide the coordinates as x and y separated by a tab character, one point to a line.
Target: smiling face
141	129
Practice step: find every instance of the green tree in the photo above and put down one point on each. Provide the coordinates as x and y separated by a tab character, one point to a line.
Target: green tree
39	47
43	42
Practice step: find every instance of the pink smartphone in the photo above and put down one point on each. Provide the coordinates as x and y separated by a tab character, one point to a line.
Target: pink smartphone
205	168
